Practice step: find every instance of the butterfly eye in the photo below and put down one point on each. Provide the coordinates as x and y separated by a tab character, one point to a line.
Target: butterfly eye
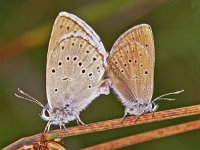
146	72
46	113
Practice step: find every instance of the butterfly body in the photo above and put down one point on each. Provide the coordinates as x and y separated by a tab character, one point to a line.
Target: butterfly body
136	108
59	116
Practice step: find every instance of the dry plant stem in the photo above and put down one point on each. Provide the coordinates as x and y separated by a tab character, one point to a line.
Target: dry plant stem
112	124
147	136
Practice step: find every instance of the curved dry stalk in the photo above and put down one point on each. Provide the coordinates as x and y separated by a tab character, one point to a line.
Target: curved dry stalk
147	136
110	124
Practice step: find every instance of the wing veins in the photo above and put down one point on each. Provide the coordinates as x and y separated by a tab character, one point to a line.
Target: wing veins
124	83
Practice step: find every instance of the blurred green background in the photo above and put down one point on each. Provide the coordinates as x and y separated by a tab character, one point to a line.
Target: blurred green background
25	27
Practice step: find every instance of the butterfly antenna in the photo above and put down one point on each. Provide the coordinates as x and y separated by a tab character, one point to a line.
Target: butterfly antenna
169	99
28	97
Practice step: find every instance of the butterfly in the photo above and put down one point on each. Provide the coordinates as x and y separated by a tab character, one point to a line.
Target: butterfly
75	71
131	70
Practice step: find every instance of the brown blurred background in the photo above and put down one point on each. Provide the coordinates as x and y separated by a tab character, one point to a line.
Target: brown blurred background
25	27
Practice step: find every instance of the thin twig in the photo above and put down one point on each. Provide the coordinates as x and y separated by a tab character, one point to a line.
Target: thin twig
111	124
147	136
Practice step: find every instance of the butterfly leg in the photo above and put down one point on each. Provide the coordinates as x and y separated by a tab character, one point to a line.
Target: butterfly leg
137	117
78	120
63	125
152	114
153	108
47	128
125	114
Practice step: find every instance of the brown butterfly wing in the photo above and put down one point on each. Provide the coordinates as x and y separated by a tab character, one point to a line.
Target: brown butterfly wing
67	23
142	34
131	64
75	63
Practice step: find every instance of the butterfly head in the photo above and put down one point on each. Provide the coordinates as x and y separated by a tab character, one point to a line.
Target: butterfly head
58	116
136	108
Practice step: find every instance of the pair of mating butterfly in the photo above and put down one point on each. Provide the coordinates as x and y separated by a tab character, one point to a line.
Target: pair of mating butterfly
77	65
